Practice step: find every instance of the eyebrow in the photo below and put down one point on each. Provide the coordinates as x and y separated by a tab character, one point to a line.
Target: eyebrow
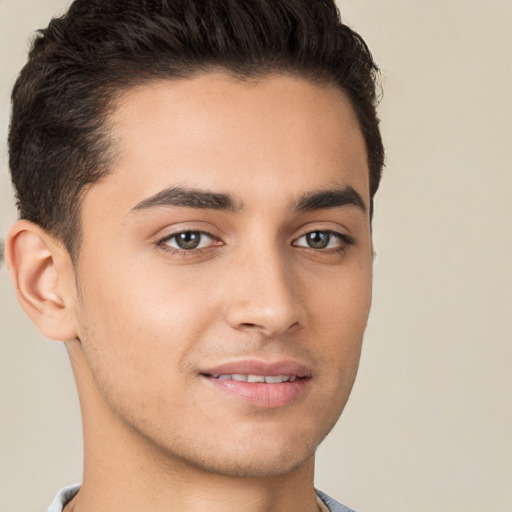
203	199
345	196
189	198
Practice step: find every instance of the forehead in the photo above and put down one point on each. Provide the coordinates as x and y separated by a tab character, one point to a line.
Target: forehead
241	136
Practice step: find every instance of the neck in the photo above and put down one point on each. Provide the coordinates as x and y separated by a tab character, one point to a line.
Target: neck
125	472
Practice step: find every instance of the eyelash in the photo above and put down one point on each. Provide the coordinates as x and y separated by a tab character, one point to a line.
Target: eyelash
345	240
184	252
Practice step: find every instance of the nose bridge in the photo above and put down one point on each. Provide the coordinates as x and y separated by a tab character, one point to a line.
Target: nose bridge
263	296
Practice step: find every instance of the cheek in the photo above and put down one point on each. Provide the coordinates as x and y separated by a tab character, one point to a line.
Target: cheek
343	301
339	318
138	329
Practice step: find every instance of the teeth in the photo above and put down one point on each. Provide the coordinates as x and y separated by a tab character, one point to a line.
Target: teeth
269	379
255	378
273	379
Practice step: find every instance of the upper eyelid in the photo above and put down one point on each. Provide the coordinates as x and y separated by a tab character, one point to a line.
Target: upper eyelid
334	232
169	233
332	226
303	232
170	236
346	239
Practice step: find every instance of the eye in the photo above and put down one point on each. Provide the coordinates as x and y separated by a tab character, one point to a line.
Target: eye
323	240
187	241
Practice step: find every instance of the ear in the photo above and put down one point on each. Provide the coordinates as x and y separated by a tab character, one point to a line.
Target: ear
43	277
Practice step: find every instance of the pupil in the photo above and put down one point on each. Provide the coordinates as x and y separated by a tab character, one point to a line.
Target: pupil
188	240
318	239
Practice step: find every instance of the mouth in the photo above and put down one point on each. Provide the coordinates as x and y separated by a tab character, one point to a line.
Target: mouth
267	379
265	385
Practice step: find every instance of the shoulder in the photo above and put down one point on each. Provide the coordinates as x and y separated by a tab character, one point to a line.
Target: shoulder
63	496
332	504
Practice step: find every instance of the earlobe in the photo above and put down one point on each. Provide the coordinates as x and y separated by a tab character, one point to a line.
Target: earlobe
40	270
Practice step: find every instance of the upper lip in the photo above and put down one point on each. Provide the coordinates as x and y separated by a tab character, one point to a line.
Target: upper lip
256	367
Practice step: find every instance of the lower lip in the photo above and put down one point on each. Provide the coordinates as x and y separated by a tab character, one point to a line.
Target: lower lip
261	394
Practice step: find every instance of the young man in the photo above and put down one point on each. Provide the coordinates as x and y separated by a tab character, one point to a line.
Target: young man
195	183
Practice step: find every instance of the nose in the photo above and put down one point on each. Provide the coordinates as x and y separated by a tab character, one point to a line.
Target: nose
263	295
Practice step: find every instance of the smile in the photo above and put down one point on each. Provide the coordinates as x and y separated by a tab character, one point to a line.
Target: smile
268	379
260	384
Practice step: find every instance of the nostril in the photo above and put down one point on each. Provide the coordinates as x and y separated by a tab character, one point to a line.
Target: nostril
249	326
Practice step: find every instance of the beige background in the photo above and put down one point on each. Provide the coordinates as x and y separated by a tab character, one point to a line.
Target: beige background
429	424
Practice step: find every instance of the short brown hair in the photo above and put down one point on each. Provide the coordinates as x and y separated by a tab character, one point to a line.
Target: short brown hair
58	139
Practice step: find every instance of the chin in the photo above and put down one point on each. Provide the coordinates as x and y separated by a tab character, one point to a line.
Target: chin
253	465
256	456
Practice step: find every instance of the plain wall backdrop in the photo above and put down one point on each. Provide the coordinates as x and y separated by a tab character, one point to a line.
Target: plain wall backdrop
429	424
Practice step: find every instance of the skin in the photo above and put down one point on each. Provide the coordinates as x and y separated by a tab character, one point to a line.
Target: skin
141	322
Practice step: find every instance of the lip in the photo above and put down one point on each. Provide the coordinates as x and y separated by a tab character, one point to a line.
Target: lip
258	394
256	367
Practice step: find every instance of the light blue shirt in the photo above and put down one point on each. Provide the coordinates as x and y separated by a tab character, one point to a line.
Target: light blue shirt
68	492
63	496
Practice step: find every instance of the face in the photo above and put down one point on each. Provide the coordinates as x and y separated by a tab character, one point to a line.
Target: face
225	269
